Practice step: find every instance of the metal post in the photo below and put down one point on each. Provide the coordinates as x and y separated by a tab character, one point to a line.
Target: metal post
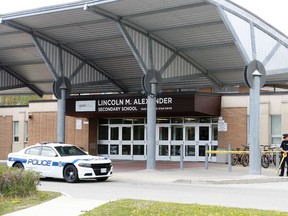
151	127
206	156
181	156
61	114
277	157
254	153
229	158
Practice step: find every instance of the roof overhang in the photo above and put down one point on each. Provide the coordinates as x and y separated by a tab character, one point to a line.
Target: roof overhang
107	46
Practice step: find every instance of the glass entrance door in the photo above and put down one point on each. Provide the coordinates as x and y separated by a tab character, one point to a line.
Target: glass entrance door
190	142
176	142
163	143
126	143
193	138
120	142
114	140
204	137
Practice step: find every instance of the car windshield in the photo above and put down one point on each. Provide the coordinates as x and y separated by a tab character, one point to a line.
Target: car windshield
69	151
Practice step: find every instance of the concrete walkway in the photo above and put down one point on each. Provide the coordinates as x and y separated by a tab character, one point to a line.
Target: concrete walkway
165	172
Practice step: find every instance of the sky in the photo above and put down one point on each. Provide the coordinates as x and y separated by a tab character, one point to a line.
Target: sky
273	12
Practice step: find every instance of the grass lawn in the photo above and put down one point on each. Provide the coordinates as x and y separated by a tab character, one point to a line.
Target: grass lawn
152	208
9	204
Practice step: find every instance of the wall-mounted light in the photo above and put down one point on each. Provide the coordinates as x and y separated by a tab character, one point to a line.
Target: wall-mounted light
30	115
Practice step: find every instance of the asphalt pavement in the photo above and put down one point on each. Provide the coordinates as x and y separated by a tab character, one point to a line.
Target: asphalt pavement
166	173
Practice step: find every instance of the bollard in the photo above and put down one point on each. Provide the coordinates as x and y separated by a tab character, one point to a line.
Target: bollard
206	156
181	156
229	158
277	157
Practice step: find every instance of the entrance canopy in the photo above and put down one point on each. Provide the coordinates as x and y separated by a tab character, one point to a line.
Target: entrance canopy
106	46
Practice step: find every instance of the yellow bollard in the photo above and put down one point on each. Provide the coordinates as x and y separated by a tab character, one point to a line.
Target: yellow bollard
283	156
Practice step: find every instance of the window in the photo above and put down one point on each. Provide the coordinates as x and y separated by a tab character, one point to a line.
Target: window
276	135
103	133
26	132
138	132
33	150
48	152
176	132
215	132
16	131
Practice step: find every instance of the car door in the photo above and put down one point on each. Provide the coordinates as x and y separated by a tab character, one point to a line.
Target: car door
32	155
46	166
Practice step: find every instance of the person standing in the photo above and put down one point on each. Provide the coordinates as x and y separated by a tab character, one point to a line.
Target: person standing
284	151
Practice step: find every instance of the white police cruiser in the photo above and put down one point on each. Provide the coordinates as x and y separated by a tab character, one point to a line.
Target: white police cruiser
56	160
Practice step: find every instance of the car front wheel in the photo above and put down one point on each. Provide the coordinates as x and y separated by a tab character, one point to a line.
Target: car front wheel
18	165
71	174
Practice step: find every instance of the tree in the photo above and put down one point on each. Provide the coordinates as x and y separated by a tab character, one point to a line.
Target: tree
17	100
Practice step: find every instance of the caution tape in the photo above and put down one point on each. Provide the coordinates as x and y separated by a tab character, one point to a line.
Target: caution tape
235	152
283	157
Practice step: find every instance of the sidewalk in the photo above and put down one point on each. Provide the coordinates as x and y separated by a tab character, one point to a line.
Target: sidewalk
165	172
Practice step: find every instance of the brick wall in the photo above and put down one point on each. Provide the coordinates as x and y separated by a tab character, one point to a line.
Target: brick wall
43	127
6	136
236	119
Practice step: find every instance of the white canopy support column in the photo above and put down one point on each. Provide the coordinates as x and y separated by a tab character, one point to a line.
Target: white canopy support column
254	149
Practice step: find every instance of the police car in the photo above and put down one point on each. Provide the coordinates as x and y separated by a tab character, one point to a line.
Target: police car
64	161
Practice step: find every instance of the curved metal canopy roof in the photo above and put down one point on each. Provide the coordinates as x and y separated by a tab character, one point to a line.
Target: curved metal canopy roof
106	46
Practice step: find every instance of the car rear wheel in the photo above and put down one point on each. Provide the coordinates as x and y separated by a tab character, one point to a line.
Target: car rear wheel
18	165
102	179
71	174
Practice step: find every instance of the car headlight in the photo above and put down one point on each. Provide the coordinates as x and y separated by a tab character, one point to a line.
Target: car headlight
88	165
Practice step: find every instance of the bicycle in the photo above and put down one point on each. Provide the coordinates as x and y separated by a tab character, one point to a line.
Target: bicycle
241	158
267	158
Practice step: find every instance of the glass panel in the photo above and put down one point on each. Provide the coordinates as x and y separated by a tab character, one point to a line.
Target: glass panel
163	120
176	120
114	133
126	149
163	150
191	120
16	131
163	133
175	150
264	44
115	121
103	121
103	133
205	120
203	133
127	121
275	124
214	148
202	151
276	136
126	133
26	132
214	132
276	140
138	149
48	152
139	121
33	151
176	132
242	29
114	149
215	119
138	132
190	150
102	149
190	134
